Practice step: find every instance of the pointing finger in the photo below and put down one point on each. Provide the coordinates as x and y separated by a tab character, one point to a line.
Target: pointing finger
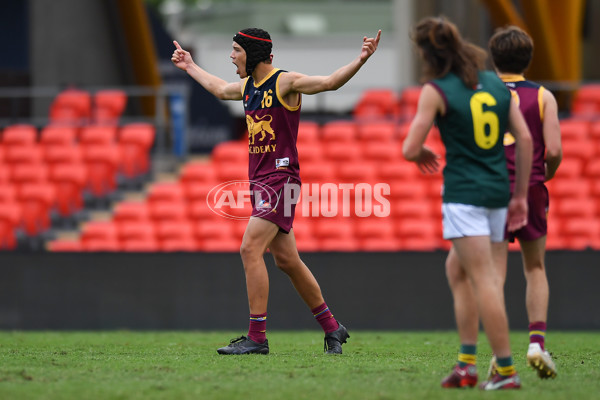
177	45
378	36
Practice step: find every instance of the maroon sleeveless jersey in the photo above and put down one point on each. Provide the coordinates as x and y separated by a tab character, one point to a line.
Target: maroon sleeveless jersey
529	98
272	129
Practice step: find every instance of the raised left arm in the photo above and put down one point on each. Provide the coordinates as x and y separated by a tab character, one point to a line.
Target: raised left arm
305	84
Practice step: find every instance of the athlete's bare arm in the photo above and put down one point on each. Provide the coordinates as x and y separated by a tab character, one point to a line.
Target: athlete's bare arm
517	207
551	129
215	85
295	82
430	104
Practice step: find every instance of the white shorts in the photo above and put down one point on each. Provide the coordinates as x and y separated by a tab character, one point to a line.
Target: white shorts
461	220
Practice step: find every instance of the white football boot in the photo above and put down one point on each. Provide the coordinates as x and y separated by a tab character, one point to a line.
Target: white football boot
541	361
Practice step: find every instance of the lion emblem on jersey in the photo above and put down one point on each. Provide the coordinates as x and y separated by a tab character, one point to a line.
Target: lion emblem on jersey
261	126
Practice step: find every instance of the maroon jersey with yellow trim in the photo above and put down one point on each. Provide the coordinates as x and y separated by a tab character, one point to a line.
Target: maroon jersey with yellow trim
272	129
529	98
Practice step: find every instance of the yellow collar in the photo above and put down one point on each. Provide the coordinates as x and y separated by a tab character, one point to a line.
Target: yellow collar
511	77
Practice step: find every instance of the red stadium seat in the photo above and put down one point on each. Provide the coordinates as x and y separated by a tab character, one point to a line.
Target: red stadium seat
578	147
66	116
586	102
71	106
333	228
131	211
234	172
314	173
595	132
409	228
308	132
373	228
410	208
343	152
378	132
307	244
69	181
569	168
398	170
356	173
136	230
37	199
199	211
569	187
230	153
102	162
574	128
10	217
340	131
53	135
8	193
63	154
434	186
168	211
175	230
415	190
383	154
19	135
136	141
580	232
5	172
98	134
109	105
592	169
27	154
197	191
218	229
166	191
22	174
310	152
575	207
99	230
376	103
197	172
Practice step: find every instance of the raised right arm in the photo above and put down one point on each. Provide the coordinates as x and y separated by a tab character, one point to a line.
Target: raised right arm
218	87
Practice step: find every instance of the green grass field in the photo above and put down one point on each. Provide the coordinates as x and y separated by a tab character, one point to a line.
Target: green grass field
185	365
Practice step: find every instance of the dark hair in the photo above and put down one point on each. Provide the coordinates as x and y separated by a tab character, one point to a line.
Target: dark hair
511	49
257	44
444	50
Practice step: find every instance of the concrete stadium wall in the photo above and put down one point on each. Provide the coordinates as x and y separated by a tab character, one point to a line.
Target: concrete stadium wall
207	291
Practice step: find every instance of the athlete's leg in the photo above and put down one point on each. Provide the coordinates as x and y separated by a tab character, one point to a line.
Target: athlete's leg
257	237
465	303
537	292
500	260
284	250
475	255
467	322
286	256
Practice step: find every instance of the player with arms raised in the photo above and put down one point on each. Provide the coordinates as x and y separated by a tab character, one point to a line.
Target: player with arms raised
272	100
